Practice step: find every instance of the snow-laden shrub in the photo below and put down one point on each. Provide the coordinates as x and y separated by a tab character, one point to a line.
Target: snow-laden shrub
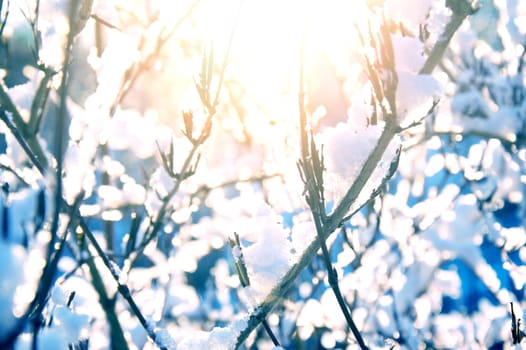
277	174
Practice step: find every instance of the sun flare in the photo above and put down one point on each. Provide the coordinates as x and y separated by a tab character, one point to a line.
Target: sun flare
267	44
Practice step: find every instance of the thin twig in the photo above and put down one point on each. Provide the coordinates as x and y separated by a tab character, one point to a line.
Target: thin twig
18	176
118	341
204	190
22	141
104	22
17	122
227	55
4	20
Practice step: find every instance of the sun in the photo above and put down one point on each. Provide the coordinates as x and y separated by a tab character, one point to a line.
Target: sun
272	37
268	43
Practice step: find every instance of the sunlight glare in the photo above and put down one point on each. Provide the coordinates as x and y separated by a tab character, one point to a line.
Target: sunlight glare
265	53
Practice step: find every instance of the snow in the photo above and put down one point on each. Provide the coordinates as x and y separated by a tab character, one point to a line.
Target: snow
415	95
268	259
345	150
73	324
415	92
457	201
302	235
183	301
219	338
79	170
120	52
408	52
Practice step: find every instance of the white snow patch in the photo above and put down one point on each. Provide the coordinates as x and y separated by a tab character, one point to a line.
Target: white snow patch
414	96
268	260
346	151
